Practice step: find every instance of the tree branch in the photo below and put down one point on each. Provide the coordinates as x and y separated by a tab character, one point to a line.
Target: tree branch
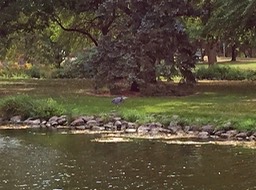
78	30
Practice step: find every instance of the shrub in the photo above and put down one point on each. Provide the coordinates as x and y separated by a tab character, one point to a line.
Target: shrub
26	107
217	72
34	72
62	73
78	67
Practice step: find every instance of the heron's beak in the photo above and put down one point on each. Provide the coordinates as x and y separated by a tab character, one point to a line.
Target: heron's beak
124	97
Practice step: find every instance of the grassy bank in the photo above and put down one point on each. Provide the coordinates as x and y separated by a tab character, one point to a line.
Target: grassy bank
219	103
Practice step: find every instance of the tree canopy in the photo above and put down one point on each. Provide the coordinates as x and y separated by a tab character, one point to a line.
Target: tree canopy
130	40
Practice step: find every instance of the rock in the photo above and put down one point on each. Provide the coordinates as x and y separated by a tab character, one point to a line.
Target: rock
117	118
195	128
35	126
218	132
97	128
109	126
43	122
78	122
229	134
174	129
203	135
130	130
143	129
232	132
216	137
62	120
131	125
48	125
163	130
87	118
252	138
208	128
36	122
92	123
118	123
53	121
125	124
242	135
80	127
193	133
155	125
155	130
16	119
187	129
100	121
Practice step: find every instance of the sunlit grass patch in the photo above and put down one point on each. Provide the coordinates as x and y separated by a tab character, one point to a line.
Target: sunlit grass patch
214	102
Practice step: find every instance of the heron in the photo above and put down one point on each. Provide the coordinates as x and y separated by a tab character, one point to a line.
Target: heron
118	100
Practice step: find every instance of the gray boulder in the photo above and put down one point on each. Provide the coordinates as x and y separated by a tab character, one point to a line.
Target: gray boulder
242	135
130	130
203	135
78	122
143	129
15	119
118	125
92	123
174	128
208	128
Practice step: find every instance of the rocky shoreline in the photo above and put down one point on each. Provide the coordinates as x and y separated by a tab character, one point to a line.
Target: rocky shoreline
113	124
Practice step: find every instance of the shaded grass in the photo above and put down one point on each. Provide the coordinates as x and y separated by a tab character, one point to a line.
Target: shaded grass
219	103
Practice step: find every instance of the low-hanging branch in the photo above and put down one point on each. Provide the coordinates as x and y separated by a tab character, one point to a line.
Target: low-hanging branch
78	30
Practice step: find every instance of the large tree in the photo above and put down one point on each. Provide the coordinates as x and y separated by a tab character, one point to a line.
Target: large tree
129	38
142	35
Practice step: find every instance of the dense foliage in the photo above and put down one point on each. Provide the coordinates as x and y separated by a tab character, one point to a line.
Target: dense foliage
129	42
130	38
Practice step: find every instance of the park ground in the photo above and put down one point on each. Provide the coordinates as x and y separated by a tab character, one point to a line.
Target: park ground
219	103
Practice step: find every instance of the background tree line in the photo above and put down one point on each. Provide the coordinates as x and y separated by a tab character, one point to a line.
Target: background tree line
132	41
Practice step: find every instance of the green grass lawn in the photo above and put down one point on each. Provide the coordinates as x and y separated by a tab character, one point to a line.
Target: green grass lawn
218	103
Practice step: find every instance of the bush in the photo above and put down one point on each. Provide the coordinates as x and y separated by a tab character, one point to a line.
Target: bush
79	67
26	107
217	72
34	72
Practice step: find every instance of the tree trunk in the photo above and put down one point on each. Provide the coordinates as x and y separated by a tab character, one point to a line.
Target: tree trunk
134	87
233	53
211	51
212	54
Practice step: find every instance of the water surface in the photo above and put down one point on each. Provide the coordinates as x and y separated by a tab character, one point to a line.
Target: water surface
39	160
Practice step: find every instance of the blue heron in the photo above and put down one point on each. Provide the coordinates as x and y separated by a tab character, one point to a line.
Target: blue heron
118	100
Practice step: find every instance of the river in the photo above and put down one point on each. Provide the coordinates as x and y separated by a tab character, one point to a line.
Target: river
54	161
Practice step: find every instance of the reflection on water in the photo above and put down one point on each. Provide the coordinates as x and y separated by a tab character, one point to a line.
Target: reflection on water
33	160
